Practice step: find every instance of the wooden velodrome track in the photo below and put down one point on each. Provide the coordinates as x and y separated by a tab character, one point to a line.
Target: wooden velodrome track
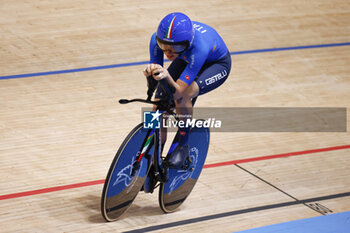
59	131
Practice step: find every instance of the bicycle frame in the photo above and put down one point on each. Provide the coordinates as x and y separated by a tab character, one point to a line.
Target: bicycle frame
139	163
164	105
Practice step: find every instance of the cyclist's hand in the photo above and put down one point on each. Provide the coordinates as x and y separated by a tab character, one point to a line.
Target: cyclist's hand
160	73
148	71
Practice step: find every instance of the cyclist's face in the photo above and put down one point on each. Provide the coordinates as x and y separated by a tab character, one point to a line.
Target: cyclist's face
169	52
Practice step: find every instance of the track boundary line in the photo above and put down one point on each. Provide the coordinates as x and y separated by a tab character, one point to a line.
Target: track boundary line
37	74
237	212
95	182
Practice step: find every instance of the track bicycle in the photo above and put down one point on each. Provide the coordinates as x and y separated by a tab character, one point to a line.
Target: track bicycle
140	166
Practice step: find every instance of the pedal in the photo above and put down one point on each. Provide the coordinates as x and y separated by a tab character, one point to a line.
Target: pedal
164	177
189	159
185	167
187	163
178	158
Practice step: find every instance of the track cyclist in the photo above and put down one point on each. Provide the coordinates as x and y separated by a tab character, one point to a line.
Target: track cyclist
200	62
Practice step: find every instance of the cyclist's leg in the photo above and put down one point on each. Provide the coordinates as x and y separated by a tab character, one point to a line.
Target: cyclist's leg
213	75
209	78
184	109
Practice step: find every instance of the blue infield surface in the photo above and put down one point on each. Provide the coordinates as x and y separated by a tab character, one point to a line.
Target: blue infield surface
333	223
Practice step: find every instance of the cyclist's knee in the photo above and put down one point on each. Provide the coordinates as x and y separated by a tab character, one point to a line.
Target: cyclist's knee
190	93
155	106
183	101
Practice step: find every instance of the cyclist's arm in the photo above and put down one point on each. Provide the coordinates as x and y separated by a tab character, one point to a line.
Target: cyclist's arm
180	87
156	54
195	62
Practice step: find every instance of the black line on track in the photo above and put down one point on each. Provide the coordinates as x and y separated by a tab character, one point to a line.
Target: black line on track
237	212
280	190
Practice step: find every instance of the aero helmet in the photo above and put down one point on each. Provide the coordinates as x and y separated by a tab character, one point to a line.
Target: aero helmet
175	29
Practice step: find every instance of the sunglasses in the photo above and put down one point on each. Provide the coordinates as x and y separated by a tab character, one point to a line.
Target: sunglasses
177	47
